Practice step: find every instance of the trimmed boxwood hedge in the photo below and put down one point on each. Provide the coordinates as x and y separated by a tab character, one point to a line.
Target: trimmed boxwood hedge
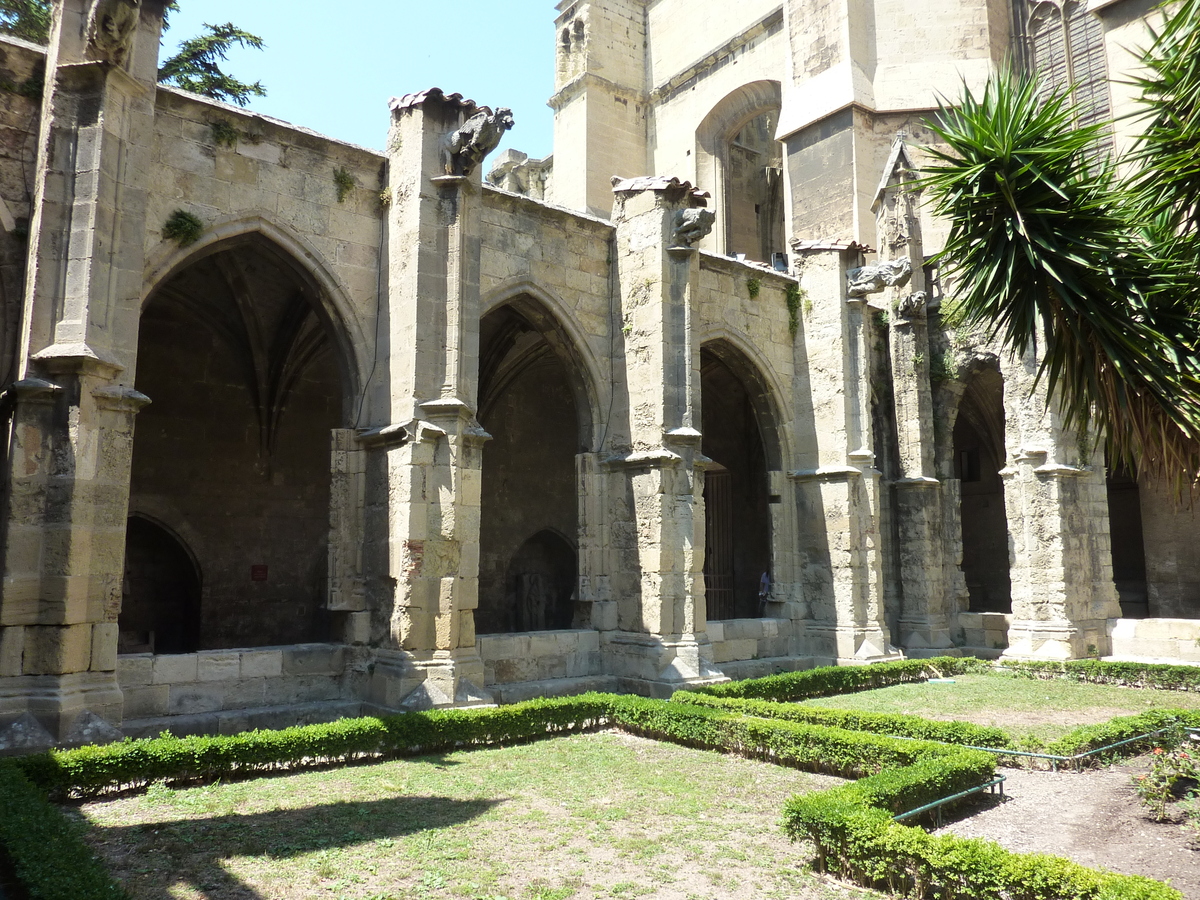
851	826
826	681
1098	671
47	852
815	748
90	770
855	837
878	723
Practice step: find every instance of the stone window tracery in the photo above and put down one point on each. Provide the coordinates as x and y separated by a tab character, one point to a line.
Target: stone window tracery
1064	45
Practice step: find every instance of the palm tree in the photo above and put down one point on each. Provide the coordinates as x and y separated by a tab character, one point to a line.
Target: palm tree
1054	253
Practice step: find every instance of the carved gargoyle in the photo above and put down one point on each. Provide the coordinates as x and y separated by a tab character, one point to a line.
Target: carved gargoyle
111	26
691	225
477	137
913	306
872	279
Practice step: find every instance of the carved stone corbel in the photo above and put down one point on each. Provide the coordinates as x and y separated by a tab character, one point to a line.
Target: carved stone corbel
111	27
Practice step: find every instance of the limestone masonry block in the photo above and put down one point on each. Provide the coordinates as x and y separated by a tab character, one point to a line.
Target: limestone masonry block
306	659
135	669
54	650
144	701
174	669
357	629
104	647
12	648
218	665
189	699
262	663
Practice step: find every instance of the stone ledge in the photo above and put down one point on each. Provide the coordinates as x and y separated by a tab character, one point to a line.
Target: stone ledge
758	668
239	720
552	687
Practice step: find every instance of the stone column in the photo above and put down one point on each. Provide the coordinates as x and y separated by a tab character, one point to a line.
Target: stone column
432	456
837	486
924	624
1054	494
661	643
71	427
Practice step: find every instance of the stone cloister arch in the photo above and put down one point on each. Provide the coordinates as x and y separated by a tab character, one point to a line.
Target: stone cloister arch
538	401
978	458
739	161
243	352
741	435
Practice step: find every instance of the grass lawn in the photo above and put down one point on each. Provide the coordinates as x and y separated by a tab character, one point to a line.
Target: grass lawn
1044	710
589	816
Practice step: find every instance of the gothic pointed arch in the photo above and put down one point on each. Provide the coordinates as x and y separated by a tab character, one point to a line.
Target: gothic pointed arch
538	402
244	353
328	297
546	314
740	429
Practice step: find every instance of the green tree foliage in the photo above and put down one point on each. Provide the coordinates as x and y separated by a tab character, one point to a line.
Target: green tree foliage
196	67
26	19
1054	253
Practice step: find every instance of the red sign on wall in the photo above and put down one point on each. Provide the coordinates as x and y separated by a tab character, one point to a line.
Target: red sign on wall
258	573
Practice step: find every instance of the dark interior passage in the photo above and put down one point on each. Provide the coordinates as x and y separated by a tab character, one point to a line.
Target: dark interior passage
978	458
160	593
528	520
235	444
737	516
1128	542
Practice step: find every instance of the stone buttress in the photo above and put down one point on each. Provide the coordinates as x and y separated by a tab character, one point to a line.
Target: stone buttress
72	408
660	644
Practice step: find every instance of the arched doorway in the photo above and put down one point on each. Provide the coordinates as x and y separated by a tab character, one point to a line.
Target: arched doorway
978	457
530	401
160	593
1127	542
737	520
235	352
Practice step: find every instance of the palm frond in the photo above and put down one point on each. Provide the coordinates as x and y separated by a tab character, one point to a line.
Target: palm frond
1048	257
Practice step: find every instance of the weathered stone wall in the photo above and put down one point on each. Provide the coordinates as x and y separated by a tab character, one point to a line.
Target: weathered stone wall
22	70
227	691
532	660
1171	537
688	79
282	177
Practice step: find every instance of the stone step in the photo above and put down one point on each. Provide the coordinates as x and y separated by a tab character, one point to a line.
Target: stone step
768	665
551	687
233	721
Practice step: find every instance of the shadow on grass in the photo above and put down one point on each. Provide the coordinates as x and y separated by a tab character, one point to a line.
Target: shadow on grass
149	858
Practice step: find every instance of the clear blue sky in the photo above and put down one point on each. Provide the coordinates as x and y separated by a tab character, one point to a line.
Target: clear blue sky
333	66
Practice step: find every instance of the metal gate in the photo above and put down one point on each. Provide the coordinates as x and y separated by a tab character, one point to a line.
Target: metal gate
718	543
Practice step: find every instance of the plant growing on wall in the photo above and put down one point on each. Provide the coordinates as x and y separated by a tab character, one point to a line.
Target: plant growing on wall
224	134
795	296
753	286
344	182
182	227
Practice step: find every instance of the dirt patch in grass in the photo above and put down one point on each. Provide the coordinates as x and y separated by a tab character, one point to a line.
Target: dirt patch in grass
591	816
1043	710
1093	817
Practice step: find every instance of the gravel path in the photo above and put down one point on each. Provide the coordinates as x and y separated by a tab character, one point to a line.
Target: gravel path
1094	818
